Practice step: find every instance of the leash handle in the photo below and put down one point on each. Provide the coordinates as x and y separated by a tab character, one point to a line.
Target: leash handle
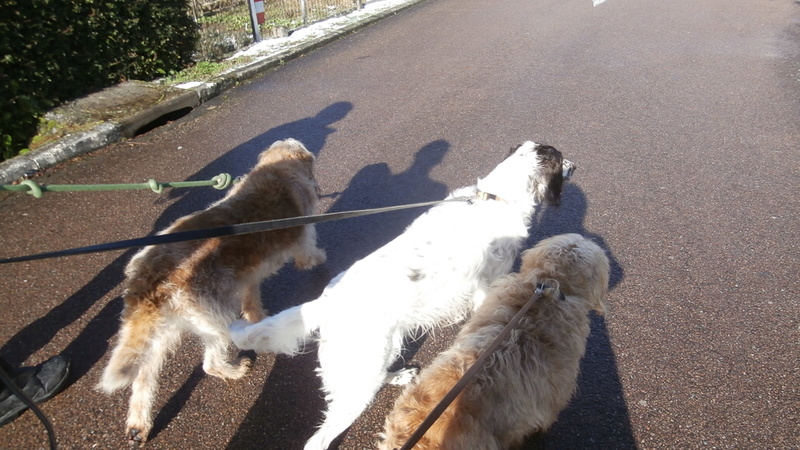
439	409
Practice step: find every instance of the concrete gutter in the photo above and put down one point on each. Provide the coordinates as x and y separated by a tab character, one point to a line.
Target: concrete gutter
118	112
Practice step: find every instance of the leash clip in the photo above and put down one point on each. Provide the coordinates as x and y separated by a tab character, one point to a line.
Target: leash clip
542	287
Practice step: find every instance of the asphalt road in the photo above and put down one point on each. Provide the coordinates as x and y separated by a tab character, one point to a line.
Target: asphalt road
682	117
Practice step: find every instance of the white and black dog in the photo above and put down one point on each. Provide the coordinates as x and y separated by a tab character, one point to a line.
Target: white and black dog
433	274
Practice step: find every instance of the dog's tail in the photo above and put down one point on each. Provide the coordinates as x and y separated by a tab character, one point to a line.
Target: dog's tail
139	323
286	332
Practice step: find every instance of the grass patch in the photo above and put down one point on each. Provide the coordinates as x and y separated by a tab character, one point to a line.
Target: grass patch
233	19
50	131
204	70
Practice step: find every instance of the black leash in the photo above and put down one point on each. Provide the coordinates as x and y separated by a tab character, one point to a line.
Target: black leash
230	230
473	370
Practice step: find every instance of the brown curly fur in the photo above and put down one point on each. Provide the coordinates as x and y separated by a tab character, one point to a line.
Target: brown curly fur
203	286
531	377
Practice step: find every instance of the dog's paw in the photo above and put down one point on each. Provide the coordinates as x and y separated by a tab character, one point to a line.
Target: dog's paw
232	370
402	376
136	437
238	368
311	260
253	315
240	335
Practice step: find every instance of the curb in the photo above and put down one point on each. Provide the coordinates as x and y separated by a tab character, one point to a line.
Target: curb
52	154
110	132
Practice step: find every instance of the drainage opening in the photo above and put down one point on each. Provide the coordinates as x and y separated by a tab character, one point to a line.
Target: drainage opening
163	120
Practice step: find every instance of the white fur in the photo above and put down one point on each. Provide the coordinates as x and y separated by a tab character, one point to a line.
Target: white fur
531	375
434	273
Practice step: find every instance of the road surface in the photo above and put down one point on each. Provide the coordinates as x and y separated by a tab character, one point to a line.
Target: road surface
682	117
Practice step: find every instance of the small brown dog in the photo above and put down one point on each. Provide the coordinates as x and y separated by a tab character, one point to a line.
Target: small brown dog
202	286
531	377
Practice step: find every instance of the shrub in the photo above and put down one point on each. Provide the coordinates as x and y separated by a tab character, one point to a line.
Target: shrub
55	50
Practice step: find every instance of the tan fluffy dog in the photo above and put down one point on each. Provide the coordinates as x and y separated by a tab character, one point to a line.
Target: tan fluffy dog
203	286
531	377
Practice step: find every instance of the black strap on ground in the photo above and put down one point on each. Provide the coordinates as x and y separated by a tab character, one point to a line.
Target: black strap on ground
473	370
230	230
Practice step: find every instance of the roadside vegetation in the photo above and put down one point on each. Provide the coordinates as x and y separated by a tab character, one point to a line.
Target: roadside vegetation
54	52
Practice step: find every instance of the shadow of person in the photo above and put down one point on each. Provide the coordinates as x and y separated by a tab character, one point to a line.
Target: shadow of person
568	218
92	342
290	405
597	417
346	241
312	131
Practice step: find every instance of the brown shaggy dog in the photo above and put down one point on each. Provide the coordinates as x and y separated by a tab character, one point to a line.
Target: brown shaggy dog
202	286
531	377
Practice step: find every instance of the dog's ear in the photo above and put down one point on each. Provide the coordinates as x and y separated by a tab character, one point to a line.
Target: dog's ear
551	171
598	305
554	187
513	150
599	275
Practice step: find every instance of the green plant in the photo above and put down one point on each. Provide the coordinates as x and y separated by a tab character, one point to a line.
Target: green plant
55	51
205	70
237	18
201	71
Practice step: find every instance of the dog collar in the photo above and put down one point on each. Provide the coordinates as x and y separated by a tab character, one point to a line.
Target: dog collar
541	287
480	195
